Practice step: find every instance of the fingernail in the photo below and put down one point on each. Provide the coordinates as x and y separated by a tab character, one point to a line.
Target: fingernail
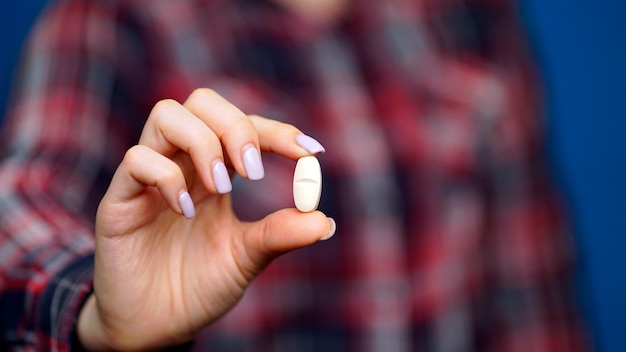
333	228
309	144
221	178
186	205
252	163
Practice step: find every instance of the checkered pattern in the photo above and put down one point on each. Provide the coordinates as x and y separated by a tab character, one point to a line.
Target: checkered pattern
450	236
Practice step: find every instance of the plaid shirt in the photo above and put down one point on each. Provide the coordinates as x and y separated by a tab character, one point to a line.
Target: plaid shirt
450	237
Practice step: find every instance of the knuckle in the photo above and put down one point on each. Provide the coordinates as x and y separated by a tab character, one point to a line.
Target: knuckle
165	104
283	127
133	156
289	129
242	121
258	119
239	127
163	107
203	93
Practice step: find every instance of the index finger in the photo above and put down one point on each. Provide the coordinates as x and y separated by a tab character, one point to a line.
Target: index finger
284	139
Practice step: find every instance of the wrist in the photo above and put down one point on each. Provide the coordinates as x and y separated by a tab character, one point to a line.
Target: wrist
89	328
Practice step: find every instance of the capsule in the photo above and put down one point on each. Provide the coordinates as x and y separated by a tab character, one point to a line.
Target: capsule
307	184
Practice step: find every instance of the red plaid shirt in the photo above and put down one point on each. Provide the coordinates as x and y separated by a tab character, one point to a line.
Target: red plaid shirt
450	237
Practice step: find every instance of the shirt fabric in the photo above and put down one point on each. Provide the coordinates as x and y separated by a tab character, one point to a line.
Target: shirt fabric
450	234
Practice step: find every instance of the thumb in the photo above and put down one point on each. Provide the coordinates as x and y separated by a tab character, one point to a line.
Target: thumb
284	231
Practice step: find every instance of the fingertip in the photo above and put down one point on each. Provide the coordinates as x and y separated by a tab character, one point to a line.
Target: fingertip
289	229
186	205
310	144
331	231
252	163
285	139
318	226
221	178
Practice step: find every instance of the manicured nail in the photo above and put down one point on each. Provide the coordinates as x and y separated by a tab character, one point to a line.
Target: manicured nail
186	205
221	178
333	228
252	163
310	144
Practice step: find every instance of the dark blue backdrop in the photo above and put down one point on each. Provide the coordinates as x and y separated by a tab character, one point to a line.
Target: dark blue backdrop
581	48
15	21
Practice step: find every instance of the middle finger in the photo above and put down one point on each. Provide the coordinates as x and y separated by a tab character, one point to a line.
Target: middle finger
237	133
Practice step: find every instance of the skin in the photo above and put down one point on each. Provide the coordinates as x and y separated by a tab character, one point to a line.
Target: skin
160	277
316	11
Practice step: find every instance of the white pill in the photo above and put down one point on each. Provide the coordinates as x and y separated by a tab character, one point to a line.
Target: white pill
307	184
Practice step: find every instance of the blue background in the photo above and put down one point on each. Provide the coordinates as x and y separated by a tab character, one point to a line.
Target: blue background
581	48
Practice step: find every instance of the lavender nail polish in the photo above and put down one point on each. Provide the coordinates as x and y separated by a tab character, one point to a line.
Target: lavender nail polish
221	178
252	163
310	144
186	205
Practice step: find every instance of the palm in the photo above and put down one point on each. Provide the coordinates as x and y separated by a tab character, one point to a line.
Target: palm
168	266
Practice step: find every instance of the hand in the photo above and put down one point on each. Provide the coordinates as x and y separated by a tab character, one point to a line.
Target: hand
161	277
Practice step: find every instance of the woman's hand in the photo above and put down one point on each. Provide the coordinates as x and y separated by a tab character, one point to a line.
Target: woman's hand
171	257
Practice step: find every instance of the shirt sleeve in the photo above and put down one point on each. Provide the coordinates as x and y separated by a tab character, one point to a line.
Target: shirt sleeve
56	150
533	303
